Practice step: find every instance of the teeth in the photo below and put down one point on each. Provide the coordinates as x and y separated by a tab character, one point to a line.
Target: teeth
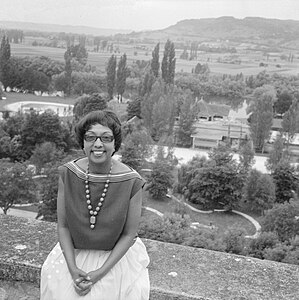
98	153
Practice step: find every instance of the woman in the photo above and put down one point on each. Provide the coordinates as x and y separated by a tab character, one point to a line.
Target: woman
98	206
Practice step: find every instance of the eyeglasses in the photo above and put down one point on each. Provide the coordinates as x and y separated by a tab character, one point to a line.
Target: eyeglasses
104	138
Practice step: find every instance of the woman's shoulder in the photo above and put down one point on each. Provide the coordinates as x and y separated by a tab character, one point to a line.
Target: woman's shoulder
122	170
76	166
120	167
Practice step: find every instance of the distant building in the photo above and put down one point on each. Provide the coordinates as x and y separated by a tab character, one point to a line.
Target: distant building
218	123
209	134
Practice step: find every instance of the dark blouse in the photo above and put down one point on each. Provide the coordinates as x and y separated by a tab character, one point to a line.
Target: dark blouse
111	218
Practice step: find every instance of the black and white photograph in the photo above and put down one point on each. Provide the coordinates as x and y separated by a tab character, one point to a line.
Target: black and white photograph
149	150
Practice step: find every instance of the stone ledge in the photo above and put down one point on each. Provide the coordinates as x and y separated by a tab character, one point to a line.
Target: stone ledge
201	274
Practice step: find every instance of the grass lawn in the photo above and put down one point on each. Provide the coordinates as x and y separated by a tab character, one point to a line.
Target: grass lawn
222	220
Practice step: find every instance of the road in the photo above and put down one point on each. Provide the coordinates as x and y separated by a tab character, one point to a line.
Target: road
184	155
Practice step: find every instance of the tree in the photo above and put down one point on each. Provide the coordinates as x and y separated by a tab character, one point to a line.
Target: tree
68	71
34	80
278	154
155	65
16	185
259	191
86	104
218	183
290	122
40	128
283	103
221	155
146	84
168	63
130	156
111	74
187	172
262	115
44	153
13	124
134	108
163	117
286	182
266	240
234	241
216	186
79	53
185	124
4	61
121	76
140	140
147	103
161	178
159	109
246	157
282	220
202	69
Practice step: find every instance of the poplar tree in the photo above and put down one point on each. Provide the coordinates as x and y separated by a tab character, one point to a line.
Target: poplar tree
134	108
155	65
68	70
4	61
262	115
111	73
290	122
188	112
168	63
121	76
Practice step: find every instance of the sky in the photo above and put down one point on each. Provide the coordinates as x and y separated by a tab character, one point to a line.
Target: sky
140	15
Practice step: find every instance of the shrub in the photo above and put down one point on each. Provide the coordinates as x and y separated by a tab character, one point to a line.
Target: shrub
282	220
257	246
234	241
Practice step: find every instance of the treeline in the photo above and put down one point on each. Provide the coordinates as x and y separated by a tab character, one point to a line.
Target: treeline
15	36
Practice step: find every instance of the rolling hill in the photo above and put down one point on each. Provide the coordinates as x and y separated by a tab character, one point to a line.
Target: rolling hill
250	29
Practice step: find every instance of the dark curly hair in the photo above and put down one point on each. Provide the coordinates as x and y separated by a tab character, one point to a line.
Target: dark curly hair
104	117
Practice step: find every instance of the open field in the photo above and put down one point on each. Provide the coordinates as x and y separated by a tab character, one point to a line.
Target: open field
249	60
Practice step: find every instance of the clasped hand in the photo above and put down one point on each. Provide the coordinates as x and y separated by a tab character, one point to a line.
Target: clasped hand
82	286
84	281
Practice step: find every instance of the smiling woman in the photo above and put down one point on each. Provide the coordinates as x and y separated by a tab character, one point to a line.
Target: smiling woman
99	255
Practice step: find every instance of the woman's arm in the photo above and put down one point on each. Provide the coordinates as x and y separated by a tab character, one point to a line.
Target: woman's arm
126	239
65	241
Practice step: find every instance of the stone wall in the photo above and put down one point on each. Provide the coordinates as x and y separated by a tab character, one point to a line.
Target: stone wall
176	272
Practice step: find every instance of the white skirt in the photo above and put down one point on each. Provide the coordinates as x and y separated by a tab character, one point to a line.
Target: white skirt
127	280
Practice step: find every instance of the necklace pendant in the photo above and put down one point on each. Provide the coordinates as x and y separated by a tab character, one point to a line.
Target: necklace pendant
92	220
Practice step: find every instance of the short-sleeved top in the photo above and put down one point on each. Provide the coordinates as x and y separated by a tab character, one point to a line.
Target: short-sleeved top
111	218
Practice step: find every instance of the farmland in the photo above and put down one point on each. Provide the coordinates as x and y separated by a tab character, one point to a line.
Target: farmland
219	63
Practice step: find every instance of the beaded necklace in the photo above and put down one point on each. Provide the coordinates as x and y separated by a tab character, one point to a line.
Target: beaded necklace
94	212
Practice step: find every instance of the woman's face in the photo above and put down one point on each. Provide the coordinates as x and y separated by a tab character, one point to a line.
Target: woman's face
98	151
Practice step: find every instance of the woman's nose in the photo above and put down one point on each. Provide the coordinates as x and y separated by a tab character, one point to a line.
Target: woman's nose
98	142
